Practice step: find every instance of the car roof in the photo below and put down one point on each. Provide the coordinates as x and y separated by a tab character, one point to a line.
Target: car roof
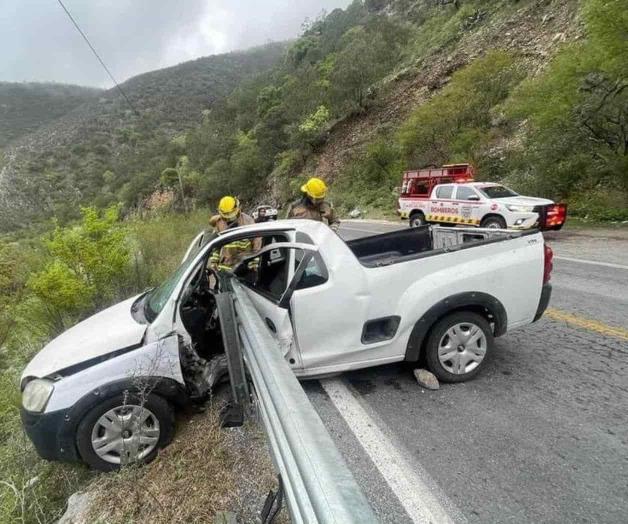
313	228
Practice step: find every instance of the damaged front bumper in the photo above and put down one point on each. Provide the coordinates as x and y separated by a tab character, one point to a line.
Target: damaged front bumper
52	434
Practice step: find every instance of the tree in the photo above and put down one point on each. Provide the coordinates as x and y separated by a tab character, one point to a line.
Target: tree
311	130
364	59
455	125
576	116
89	265
268	98
306	50
248	170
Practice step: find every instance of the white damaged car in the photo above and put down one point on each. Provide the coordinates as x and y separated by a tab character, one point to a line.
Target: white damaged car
105	391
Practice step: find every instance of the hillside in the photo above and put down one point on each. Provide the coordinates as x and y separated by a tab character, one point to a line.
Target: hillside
61	165
24	107
533	92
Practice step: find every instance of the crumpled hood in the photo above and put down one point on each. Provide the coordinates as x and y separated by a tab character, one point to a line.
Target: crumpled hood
105	332
524	201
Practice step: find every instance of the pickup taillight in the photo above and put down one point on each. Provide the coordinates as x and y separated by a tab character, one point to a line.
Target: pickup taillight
555	215
548	264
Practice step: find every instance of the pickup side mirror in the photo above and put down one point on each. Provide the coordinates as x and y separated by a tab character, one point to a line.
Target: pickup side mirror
473	198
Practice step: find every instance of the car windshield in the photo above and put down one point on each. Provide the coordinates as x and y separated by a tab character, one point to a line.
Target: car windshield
497	192
157	298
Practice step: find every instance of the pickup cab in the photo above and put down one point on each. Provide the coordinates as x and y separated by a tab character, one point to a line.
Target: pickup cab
104	391
450	196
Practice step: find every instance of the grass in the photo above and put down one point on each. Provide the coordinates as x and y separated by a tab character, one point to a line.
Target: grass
578	223
161	242
204	471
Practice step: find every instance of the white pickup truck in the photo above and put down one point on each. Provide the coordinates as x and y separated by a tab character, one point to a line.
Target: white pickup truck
103	392
483	204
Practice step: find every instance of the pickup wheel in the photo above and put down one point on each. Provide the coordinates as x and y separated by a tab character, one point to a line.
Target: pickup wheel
458	346
417	219
493	222
123	430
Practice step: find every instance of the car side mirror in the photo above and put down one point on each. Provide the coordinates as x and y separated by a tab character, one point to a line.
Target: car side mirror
474	198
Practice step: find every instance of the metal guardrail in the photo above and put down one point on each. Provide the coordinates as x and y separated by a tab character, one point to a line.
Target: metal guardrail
317	482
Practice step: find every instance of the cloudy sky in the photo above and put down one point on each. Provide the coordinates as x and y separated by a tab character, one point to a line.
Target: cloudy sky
38	42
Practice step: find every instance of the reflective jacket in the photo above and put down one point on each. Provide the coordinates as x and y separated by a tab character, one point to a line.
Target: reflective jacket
323	212
230	254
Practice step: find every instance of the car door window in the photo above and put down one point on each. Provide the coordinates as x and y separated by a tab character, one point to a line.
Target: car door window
268	273
444	192
464	192
314	274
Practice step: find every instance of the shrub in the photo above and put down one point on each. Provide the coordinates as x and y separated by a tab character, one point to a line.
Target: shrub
456	124
89	267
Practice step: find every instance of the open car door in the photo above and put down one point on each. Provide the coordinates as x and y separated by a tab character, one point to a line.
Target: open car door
280	268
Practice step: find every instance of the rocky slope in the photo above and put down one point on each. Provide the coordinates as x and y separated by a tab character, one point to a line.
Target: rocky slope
533	31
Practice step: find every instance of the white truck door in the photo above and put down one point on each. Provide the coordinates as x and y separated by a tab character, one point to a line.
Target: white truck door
443	208
470	205
329	312
269	290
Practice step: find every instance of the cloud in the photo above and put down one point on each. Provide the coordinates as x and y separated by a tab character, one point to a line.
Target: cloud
38	42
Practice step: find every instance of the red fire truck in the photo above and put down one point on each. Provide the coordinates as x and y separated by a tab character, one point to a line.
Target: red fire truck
449	195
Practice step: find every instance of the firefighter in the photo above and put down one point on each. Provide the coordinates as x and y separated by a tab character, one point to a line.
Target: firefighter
230	216
312	204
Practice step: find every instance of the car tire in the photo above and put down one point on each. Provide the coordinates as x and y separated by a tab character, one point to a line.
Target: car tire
493	222
417	220
461	358
118	423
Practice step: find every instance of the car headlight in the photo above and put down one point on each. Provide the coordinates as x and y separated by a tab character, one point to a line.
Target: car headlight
36	395
520	209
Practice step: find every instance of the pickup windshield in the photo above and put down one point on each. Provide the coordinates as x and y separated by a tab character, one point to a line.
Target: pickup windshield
157	298
497	192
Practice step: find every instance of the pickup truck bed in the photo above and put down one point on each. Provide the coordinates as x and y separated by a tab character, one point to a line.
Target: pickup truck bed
410	244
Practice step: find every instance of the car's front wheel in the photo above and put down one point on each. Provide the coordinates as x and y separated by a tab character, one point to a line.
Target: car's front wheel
125	429
458	346
493	222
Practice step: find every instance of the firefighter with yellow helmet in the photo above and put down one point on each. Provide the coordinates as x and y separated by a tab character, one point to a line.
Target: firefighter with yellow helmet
230	216
313	205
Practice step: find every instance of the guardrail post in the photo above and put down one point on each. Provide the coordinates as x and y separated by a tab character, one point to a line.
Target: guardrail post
234	416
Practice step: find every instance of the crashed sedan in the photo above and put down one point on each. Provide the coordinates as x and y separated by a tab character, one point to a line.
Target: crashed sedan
105	391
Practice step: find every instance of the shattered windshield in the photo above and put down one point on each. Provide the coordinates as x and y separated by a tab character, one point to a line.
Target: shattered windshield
497	192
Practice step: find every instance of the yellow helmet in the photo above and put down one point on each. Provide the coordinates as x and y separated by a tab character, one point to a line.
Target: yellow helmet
229	207
315	188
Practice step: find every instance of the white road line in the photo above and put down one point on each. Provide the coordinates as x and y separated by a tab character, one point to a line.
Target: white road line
591	262
412	491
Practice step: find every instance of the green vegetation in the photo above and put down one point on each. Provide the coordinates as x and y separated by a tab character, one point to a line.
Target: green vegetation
47	283
103	154
456	125
577	114
568	125
253	123
26	107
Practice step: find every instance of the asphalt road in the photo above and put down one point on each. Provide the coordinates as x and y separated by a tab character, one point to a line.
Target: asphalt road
540	436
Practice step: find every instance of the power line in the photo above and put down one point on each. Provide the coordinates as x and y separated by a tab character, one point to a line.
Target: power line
98	57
